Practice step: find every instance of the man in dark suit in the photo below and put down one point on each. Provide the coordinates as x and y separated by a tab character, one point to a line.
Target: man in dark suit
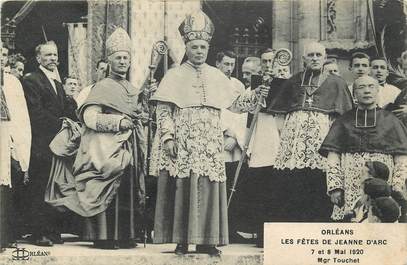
46	101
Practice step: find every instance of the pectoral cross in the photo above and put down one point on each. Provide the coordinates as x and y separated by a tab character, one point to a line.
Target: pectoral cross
309	101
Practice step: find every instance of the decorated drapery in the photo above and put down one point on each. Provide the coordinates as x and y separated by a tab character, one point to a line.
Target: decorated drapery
77	51
150	21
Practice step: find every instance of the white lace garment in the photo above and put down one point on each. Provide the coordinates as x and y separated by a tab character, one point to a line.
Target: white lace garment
301	137
198	136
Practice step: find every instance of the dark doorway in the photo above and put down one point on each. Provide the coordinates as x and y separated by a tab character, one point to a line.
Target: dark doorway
49	15
241	26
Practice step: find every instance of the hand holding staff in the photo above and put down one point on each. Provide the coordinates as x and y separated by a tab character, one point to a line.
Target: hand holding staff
160	49
283	57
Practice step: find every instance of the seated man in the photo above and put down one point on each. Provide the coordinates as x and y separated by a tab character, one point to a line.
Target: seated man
365	133
108	166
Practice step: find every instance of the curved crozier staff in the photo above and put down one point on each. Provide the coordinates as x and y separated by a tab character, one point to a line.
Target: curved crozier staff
283	57
159	51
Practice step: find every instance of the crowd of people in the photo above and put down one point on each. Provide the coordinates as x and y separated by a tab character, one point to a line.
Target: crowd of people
79	160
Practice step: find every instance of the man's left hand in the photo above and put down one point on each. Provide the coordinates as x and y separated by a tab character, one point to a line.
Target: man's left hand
151	87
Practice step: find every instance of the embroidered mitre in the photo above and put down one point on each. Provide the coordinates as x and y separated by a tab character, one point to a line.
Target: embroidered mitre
118	41
197	26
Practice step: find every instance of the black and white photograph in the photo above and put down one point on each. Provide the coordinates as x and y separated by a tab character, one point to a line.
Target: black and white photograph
203	132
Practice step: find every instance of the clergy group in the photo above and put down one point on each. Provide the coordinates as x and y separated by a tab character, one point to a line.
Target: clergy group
199	159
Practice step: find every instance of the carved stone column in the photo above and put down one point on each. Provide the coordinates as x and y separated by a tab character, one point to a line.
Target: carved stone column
281	24
308	19
331	19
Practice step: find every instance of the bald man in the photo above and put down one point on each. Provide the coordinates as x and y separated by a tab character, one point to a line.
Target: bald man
366	133
250	66
310	101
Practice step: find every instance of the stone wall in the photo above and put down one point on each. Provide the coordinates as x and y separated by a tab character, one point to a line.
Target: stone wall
341	25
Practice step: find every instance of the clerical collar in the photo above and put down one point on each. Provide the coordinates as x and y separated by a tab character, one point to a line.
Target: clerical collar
195	66
303	84
365	118
382	83
117	76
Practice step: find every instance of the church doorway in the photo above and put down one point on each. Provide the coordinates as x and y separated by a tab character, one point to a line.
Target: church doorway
242	26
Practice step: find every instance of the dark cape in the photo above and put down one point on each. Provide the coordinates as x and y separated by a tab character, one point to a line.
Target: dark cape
401	98
112	93
332	96
388	136
275	87
276	84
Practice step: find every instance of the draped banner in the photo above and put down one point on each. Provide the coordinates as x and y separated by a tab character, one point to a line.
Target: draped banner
150	21
77	51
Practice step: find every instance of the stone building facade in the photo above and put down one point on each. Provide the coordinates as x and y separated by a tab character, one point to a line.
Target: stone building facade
342	25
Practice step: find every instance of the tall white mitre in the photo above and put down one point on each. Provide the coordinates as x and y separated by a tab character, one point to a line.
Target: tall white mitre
118	41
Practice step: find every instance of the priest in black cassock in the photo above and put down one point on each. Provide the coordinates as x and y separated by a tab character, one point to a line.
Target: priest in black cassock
365	133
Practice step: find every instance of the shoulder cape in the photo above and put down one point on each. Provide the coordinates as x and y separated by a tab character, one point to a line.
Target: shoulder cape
332	96
182	87
389	136
119	95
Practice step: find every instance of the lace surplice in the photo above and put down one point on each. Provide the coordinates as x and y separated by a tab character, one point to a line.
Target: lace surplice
198	136
349	173
301	137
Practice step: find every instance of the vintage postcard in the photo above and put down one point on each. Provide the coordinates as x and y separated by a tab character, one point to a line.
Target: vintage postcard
203	132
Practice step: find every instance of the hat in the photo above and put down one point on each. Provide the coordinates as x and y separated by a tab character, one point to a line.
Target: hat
118	41
386	209
378	170
332	56
376	188
197	26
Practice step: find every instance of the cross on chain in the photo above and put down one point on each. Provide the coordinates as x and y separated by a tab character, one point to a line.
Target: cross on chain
309	101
